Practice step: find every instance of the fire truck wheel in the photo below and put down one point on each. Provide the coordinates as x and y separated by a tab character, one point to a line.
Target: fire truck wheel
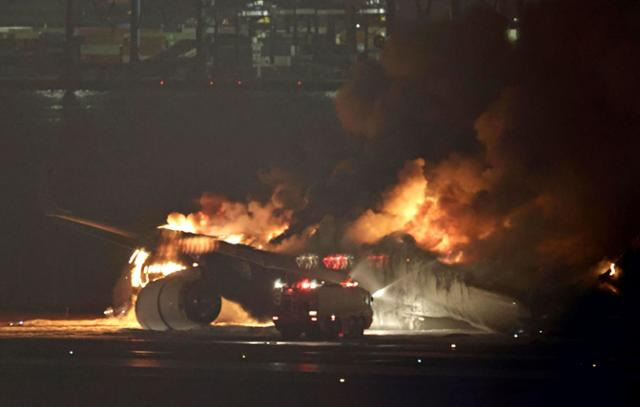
356	328
359	328
363	324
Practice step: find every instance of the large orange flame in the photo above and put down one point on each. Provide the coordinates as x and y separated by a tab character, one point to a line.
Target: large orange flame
252	223
432	212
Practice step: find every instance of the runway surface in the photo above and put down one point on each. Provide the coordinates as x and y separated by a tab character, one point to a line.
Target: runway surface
101	363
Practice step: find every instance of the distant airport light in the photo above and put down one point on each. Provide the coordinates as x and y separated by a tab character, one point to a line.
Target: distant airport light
162	82
313	313
275	317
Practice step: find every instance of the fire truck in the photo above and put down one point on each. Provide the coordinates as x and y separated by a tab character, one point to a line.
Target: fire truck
322	310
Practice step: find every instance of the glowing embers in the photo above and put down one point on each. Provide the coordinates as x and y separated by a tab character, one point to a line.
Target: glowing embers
338	261
137	260
142	273
609	278
197	244
611	271
307	261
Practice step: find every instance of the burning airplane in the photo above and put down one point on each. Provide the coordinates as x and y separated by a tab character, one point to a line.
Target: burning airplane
179	280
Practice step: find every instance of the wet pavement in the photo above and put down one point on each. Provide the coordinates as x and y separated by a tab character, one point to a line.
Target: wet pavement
252	366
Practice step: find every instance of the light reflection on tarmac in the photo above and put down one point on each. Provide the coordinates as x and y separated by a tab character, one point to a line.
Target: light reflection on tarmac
89	327
45	361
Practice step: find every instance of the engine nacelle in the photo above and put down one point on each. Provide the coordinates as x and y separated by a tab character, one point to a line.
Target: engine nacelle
180	301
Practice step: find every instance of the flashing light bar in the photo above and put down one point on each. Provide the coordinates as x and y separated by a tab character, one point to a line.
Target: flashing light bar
307	284
349	283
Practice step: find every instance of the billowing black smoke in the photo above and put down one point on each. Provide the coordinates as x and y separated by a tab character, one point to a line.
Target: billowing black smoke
550	122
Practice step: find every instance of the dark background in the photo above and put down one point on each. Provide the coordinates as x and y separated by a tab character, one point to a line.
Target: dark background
128	159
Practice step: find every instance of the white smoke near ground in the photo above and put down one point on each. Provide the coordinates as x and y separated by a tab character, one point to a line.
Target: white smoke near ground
413	288
527	168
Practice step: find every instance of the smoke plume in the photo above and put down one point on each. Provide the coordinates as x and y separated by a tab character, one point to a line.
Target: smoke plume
526	167
512	162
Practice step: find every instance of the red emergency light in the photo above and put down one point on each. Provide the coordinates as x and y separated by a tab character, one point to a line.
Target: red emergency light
349	283
306	285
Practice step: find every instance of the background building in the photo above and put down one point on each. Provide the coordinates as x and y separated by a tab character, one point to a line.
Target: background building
316	39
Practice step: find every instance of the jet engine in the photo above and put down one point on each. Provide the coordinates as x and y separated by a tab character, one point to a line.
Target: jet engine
180	301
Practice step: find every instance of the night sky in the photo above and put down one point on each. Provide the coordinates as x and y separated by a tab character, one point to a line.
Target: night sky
130	158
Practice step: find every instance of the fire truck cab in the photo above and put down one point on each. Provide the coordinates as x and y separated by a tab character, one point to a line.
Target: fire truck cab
322	310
